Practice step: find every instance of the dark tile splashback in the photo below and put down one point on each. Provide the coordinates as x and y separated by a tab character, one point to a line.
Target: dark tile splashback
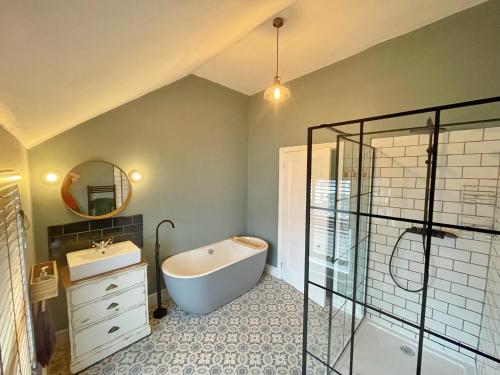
80	235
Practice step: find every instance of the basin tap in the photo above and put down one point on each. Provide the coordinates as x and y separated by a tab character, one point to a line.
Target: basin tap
102	245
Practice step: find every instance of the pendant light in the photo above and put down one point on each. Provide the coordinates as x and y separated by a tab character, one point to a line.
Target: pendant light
277	92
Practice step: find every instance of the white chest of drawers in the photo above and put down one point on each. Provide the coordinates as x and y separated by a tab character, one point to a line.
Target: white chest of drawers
106	313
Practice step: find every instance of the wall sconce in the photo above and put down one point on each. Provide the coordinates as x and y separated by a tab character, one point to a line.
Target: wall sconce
135	175
50	177
8	176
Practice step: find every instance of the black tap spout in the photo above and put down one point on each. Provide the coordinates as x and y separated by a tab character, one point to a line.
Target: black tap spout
160	311
157	243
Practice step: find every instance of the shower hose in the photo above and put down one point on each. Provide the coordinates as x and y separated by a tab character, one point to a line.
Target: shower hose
408	230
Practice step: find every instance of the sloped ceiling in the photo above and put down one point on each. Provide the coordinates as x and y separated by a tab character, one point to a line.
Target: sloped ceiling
318	33
63	62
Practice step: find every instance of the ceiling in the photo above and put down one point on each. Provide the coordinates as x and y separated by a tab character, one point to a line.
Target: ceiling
318	33
64	62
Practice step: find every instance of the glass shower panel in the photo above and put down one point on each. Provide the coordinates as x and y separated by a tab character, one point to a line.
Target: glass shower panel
340	189
340	327
317	326
467	280
355	181
321	237
365	198
314	366
322	192
346	206
369	221
331	237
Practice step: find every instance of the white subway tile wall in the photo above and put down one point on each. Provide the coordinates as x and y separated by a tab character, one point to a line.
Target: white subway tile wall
489	337
468	164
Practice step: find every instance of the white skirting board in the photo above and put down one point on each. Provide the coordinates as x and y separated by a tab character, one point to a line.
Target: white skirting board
62	336
273	271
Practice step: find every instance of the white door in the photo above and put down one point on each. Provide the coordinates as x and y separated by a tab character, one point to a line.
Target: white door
292	214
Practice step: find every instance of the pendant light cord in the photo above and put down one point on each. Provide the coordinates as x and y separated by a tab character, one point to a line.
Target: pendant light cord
277	49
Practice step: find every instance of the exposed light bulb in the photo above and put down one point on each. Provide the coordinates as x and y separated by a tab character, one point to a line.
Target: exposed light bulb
277	93
51	177
135	176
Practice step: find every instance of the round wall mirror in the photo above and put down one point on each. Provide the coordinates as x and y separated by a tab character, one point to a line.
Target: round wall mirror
96	190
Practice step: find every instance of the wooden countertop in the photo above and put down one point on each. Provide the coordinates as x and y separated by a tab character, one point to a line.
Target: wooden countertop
66	281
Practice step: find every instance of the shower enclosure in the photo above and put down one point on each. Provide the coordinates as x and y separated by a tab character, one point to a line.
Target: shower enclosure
403	242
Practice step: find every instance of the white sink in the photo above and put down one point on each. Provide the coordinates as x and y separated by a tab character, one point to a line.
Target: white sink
91	262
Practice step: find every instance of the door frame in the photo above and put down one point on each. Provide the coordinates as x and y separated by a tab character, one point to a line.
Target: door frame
281	207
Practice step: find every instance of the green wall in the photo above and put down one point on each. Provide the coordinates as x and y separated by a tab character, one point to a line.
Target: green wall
455	59
189	139
209	155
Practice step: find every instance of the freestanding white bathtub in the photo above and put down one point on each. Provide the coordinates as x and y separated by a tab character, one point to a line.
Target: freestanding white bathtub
204	279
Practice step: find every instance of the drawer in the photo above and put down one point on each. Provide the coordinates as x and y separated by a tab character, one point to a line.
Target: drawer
112	305
99	334
105	286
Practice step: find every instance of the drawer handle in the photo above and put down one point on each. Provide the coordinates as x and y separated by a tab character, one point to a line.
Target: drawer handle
112	306
112	286
113	329
86	320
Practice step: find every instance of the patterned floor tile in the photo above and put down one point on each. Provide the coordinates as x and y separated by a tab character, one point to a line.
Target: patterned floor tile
258	333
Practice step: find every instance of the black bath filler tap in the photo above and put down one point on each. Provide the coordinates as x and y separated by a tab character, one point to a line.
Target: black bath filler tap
160	311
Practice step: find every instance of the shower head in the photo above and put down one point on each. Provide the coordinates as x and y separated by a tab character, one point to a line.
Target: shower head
427	129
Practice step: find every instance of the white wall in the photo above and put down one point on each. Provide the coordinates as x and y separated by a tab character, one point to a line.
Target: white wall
489	340
468	159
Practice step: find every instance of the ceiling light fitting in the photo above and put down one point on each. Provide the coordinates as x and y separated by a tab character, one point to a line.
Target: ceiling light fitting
277	92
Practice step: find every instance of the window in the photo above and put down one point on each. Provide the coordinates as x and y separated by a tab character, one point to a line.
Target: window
16	335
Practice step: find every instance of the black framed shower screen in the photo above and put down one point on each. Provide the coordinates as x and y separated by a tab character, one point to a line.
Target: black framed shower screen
357	211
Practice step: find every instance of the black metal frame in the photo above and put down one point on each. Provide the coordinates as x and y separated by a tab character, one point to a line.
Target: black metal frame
329	280
428	224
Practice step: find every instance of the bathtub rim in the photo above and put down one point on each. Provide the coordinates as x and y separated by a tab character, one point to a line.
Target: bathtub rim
177	276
